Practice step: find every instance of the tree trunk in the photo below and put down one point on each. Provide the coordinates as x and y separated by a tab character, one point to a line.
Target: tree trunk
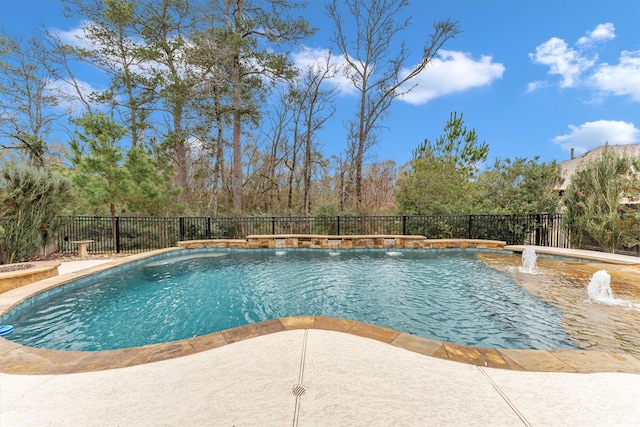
181	151
362	137
237	143
218	168
293	165
307	171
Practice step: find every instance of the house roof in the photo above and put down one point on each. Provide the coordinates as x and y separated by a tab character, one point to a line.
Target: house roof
569	167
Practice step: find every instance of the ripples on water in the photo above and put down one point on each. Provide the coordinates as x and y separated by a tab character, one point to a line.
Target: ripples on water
563	283
445	295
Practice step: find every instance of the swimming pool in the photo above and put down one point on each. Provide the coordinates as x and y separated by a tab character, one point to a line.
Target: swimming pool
446	295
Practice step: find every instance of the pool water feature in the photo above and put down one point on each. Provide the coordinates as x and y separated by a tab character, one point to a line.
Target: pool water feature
445	295
529	260
564	283
599	291
599	288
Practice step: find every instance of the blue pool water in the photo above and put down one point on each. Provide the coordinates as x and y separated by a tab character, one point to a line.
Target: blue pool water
445	295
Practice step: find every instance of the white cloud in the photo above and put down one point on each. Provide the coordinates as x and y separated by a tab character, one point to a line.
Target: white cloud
621	79
448	73
68	98
538	84
578	67
75	36
594	134
79	37
306	57
563	60
452	72
602	32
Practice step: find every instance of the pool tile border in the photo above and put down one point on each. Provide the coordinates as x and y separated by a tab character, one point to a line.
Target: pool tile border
23	360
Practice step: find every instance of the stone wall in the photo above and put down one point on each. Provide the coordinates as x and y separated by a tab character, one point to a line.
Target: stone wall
15	279
341	242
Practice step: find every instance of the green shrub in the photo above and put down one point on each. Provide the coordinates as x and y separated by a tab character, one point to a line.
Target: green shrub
595	202
31	201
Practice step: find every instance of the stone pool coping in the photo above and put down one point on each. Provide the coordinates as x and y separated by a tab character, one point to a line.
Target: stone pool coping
609	258
18	359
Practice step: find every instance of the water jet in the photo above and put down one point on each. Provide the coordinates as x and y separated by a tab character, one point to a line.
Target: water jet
529	259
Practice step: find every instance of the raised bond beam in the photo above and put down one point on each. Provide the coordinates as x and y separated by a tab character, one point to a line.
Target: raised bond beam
314	241
12	279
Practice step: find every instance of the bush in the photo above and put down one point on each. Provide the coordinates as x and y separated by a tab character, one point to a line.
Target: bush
32	199
595	202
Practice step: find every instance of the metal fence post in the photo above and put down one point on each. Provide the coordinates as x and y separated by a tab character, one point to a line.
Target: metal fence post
470	232
338	230
404	225
117	235
273	225
181	229
208	234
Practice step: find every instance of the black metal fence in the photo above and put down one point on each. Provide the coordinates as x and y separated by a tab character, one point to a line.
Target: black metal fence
139	234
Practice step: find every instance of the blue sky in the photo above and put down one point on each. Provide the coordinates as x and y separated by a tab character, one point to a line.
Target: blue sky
533	78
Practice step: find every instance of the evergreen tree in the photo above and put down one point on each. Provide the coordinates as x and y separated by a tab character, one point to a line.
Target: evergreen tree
439	178
98	175
520	186
108	179
255	33
152	192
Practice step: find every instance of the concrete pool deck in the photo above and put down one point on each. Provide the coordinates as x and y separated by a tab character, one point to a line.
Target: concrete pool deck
315	376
